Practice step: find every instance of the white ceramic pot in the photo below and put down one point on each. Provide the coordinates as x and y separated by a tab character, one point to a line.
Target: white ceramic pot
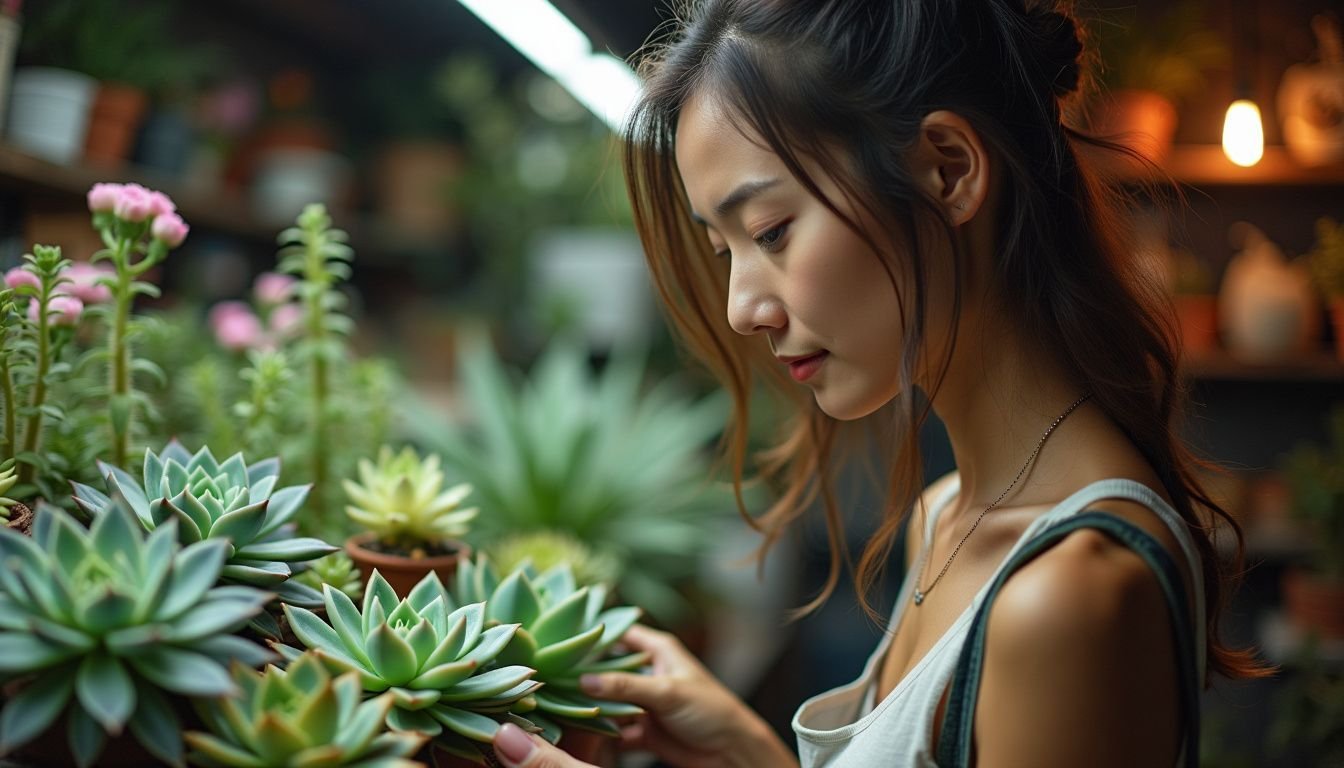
597	280
286	180
1267	308
49	112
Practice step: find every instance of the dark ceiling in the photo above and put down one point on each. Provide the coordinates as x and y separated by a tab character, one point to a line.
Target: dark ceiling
617	26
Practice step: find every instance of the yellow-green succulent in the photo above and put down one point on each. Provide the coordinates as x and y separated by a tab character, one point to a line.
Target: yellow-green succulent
401	499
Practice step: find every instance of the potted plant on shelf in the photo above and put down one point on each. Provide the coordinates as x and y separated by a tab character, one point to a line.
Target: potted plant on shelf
103	628
299	715
412	525
1196	303
1314	592
1327	270
1147	71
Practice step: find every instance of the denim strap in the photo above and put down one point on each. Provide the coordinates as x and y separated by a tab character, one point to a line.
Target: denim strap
954	746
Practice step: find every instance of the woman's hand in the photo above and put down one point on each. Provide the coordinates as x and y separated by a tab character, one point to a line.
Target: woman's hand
692	720
516	749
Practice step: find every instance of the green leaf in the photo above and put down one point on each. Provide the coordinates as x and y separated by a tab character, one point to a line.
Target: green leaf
488	684
86	737
241	525
185	672
425	591
120	482
105	690
492	642
156	726
219	752
363	726
195	569
556	658
27	653
514	601
117	532
214	617
297	593
378	590
286	550
33	709
345	622
393	658
109	611
423	640
282	506
415	721
443	676
560	621
318	720
617	621
558	706
406	698
227	648
473	726
259	573
314	632
153	475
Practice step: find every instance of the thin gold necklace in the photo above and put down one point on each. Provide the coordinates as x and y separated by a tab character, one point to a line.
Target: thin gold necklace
920	594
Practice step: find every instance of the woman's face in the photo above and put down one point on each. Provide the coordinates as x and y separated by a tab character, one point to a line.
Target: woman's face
799	274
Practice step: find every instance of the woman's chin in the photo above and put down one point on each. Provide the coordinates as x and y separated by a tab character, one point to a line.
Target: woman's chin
847	407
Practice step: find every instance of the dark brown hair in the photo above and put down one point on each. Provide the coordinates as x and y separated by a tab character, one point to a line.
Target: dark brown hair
809	75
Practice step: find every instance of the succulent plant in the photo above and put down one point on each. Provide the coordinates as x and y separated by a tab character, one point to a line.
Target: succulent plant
336	569
546	549
401	499
296	718
229	501
113	618
565	633
428	653
8	477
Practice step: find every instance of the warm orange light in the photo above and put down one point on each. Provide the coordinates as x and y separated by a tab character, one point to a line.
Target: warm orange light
1243	133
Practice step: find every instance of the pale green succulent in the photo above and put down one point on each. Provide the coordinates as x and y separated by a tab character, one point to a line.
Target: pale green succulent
99	623
427	652
230	501
9	475
401	499
299	717
565	632
336	569
546	549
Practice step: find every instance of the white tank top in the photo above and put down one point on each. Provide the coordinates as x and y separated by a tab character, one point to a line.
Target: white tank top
842	728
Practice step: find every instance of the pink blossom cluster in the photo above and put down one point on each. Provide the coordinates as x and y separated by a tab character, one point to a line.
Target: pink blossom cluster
137	204
238	327
70	298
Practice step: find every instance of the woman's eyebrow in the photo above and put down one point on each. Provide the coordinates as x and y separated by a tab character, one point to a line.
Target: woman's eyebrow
735	199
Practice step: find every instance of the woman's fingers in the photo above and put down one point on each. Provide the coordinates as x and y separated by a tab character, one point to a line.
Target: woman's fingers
655	693
516	749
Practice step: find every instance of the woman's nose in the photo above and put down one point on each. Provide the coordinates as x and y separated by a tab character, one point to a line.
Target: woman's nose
752	306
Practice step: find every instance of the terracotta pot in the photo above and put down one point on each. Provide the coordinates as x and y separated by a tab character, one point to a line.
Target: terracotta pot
403	573
1144	121
589	746
1314	603
1197	315
1337	324
118	111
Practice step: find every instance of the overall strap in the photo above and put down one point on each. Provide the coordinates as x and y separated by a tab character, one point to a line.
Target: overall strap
954	746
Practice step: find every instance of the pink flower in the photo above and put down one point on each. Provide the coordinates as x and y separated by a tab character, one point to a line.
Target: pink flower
236	327
103	197
287	320
161	203
134	204
170	228
61	310
84	283
18	277
273	288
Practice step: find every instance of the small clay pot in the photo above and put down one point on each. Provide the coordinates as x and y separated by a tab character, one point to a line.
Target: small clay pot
403	573
1197	315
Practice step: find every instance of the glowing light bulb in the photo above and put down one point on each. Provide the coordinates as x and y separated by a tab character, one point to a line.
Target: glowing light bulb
1243	133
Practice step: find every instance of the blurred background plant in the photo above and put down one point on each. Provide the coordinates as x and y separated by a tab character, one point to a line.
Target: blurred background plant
606	458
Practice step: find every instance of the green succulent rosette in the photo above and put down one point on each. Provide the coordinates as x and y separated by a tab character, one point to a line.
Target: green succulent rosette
401	499
336	569
299	717
437	660
228	501
565	631
101	623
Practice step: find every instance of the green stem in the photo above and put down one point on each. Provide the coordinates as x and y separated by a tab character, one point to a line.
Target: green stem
120	352
317	333
11	426
32	436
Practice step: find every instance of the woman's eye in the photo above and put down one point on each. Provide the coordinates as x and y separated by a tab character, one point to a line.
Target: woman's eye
771	239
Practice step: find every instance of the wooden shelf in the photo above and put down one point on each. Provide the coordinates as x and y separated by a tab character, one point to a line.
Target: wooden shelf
218	210
1205	165
1222	366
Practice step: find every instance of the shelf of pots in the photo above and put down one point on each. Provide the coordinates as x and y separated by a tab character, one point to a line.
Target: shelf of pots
412	524
1313	593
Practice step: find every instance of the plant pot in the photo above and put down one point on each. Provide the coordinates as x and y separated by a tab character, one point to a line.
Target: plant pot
412	185
589	746
287	180
403	573
1197	316
118	111
1314	603
1144	121
166	142
49	112
594	280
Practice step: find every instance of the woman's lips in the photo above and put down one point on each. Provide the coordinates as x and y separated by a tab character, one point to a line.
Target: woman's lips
806	368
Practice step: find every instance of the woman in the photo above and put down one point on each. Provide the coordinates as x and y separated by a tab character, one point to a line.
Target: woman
885	197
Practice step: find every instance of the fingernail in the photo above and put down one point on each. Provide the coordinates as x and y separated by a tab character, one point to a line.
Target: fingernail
513	744
590	683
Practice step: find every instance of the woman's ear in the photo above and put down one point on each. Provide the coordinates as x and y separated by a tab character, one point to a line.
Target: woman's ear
951	165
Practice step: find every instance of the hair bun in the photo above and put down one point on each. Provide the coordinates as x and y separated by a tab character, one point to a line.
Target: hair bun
1058	48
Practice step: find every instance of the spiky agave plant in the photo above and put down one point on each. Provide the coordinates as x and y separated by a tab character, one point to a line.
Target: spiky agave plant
299	717
100	623
566	632
229	501
436	659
